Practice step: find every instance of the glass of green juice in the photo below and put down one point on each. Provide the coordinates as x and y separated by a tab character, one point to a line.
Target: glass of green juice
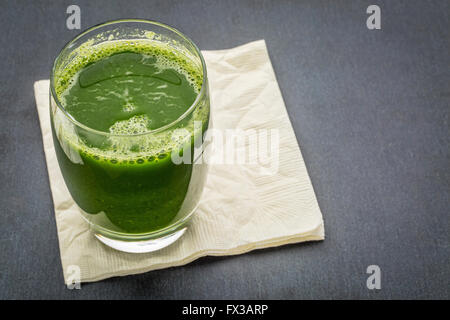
129	107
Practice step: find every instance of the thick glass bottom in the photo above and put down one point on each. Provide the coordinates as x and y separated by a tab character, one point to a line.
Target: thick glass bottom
142	246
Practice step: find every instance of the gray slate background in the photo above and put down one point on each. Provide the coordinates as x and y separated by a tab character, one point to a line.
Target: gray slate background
371	113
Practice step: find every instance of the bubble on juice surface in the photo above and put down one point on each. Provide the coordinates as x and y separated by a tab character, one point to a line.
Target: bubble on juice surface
134	125
163	63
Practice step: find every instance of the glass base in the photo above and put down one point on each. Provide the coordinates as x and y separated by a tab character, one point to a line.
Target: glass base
142	246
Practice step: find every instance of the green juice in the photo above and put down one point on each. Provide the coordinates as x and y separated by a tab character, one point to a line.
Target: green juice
118	163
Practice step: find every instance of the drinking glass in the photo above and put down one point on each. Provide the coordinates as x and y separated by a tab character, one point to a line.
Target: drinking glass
137	201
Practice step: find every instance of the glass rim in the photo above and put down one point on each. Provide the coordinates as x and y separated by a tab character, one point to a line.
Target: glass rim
151	131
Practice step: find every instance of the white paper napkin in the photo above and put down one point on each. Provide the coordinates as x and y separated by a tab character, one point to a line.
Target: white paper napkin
244	206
